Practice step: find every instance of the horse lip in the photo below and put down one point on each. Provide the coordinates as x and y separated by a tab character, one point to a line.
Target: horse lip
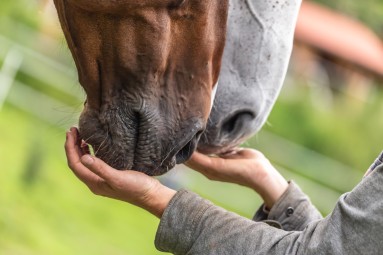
171	159
162	169
190	147
190	143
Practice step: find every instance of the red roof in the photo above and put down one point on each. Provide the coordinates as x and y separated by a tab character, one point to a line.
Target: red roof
340	36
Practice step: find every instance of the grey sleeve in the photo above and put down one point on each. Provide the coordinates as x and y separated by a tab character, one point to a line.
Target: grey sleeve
192	225
293	211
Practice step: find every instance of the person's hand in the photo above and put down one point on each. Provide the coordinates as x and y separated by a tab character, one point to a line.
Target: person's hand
245	167
129	186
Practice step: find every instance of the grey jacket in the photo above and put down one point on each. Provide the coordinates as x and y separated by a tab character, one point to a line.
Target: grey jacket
192	225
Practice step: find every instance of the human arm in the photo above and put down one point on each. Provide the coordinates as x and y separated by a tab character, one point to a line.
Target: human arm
292	212
246	167
129	186
192	225
286	206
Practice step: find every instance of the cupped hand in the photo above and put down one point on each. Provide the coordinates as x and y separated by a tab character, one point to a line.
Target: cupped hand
129	186
246	167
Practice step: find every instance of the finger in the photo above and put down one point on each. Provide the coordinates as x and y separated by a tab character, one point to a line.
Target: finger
77	139
100	168
85	147
74	163
71	151
218	168
243	153
75	134
205	164
234	154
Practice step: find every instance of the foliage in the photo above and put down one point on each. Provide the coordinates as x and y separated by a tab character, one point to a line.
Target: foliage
23	11
50	212
347	131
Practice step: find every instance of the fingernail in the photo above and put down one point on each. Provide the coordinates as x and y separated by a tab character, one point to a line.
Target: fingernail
87	160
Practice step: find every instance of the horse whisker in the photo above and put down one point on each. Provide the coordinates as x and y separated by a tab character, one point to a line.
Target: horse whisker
102	143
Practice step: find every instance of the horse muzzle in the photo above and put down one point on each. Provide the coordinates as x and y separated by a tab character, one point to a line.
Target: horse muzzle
140	140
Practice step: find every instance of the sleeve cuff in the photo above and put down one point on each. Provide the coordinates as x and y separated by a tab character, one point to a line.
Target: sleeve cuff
293	211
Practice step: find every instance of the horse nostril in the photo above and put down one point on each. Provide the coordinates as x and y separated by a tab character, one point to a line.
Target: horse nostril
185	153
176	4
237	123
198	135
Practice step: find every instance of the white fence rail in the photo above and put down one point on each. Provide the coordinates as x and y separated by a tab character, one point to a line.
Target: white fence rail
18	59
8	71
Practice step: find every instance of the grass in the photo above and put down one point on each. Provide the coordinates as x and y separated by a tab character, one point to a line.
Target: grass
348	131
46	210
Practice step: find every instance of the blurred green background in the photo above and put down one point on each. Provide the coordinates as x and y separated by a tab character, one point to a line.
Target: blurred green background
322	135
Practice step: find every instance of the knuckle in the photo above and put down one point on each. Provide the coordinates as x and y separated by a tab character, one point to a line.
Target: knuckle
221	163
71	165
255	153
258	164
95	190
117	184
259	155
98	167
211	176
100	185
98	188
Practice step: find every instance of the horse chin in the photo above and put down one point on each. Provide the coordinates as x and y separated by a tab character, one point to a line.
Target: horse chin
161	170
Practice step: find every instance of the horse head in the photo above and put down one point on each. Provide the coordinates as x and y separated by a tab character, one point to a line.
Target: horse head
148	68
257	52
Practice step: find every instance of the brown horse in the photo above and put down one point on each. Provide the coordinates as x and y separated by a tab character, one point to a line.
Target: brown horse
148	68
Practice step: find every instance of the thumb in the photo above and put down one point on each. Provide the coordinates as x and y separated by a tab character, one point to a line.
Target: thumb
99	167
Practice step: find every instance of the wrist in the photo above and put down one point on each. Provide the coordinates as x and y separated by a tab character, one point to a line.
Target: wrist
274	191
269	184
159	199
